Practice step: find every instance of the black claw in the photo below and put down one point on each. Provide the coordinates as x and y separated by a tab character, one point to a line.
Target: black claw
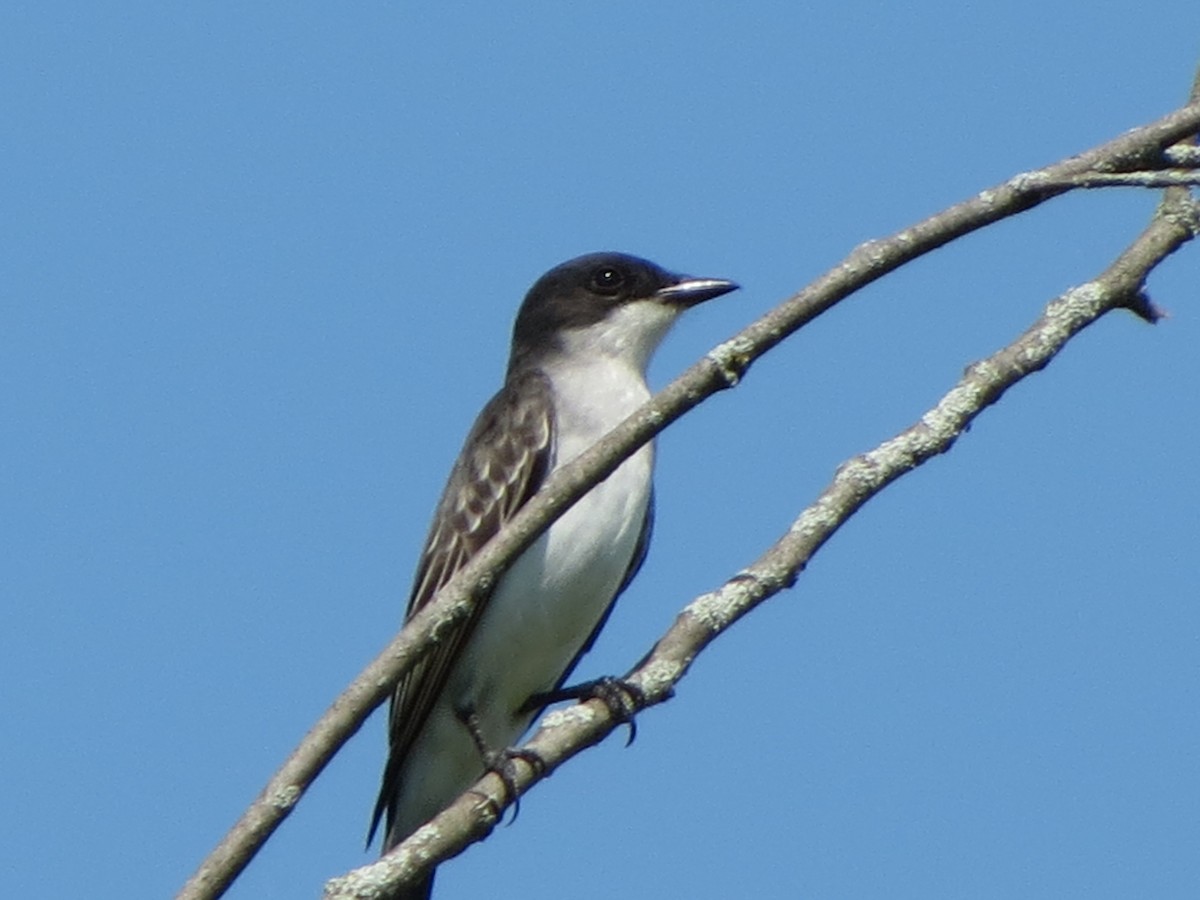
623	698
500	762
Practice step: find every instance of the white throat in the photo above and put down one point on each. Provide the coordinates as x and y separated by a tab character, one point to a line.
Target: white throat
600	375
630	333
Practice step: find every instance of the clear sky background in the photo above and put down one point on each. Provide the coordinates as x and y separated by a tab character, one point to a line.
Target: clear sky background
259	266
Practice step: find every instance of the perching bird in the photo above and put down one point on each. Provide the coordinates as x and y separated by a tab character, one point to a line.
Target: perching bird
581	343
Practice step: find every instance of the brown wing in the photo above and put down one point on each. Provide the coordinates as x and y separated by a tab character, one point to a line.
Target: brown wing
503	463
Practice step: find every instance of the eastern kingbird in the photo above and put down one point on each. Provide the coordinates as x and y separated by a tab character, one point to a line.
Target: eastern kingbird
581	343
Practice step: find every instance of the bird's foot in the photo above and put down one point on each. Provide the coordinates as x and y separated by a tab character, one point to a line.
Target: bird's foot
623	699
501	762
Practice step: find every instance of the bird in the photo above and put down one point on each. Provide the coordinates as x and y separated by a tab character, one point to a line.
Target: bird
581	342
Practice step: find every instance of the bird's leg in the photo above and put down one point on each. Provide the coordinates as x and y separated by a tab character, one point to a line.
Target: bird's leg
620	696
499	761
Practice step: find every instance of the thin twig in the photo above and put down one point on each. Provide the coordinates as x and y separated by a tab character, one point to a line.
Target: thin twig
1163	178
1183	155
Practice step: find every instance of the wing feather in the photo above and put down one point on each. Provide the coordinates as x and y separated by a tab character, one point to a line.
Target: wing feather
503	463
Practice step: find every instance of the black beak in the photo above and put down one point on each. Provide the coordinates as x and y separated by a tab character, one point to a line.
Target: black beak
689	291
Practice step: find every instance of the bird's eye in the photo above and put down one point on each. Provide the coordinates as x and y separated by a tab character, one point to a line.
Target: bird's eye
607	280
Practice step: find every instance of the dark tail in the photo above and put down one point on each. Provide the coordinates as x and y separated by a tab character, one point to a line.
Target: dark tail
419	891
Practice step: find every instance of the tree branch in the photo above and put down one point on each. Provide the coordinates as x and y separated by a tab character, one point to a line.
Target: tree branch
1187	155
1163	178
565	733
721	368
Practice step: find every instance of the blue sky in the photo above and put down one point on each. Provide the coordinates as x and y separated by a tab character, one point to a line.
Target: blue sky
260	265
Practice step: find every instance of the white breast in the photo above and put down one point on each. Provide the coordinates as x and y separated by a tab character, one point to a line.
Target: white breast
547	605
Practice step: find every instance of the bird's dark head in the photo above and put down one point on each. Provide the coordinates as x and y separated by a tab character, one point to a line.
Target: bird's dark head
610	303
